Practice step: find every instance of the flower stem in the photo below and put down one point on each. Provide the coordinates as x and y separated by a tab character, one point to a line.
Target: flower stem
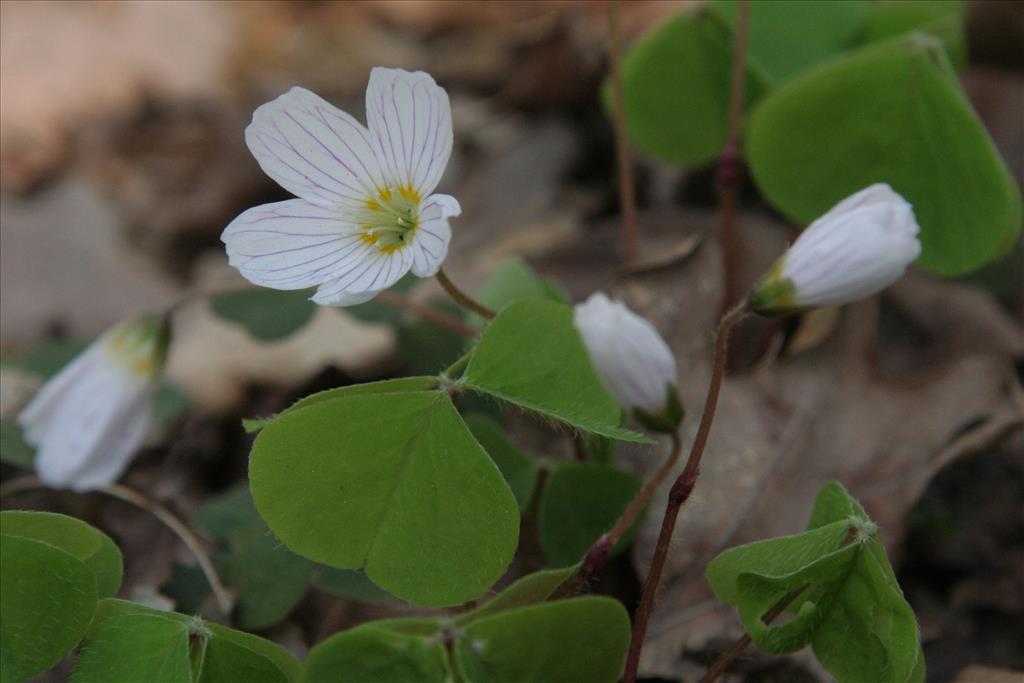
627	190
462	298
597	555
160	512
681	490
722	663
428	313
729	161
647	492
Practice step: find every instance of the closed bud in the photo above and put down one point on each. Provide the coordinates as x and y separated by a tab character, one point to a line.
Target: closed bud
90	419
633	361
860	247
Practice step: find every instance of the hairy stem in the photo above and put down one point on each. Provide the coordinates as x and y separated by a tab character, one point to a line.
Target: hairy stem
597	555
462	298
160	512
729	162
627	191
681	490
426	312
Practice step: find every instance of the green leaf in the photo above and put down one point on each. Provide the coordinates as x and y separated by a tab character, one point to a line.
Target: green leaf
82	541
580	502
600	448
891	112
372	653
267	314
836	579
790	36
386	386
169	404
943	19
676	85
530	589
519	469
531	355
14	450
511	280
393	484
584	639
47	597
268	579
351	585
129	642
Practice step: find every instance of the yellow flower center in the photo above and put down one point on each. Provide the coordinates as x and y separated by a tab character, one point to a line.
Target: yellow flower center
391	218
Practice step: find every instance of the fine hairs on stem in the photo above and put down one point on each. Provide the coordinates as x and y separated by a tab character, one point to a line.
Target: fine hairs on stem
627	191
461	297
597	555
161	513
681	490
729	161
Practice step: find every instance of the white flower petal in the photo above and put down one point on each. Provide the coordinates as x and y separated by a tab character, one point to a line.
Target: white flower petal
292	245
372	274
89	413
632	360
38	416
325	297
861	246
411	119
314	150
431	243
114	452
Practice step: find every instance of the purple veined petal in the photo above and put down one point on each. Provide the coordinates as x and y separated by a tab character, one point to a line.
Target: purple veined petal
433	235
292	244
315	151
343	299
411	119
373	273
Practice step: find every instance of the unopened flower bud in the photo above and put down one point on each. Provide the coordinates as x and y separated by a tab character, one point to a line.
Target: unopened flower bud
860	247
633	361
90	419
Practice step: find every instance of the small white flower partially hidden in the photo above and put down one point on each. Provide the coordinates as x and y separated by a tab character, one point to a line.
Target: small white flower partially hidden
365	215
860	247
633	361
89	420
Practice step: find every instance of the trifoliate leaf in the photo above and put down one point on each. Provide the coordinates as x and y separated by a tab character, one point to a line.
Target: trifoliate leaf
267	314
394	484
518	468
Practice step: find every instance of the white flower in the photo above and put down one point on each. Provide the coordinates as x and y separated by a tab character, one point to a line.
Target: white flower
633	361
860	247
90	419
365	215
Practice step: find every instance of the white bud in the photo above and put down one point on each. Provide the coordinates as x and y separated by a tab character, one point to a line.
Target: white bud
633	361
91	417
860	247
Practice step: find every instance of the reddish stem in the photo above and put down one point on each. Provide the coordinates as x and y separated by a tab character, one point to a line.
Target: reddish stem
426	312
680	491
462	298
627	191
729	161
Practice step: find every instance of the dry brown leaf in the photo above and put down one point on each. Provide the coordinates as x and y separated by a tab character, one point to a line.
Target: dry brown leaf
988	674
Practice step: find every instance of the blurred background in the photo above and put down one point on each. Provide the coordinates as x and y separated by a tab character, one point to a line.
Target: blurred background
122	158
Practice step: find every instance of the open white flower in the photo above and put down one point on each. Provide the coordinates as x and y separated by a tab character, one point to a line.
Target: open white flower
89	420
633	361
365	215
860	247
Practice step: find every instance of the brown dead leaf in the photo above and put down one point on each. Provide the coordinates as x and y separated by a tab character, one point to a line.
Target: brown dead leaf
988	674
